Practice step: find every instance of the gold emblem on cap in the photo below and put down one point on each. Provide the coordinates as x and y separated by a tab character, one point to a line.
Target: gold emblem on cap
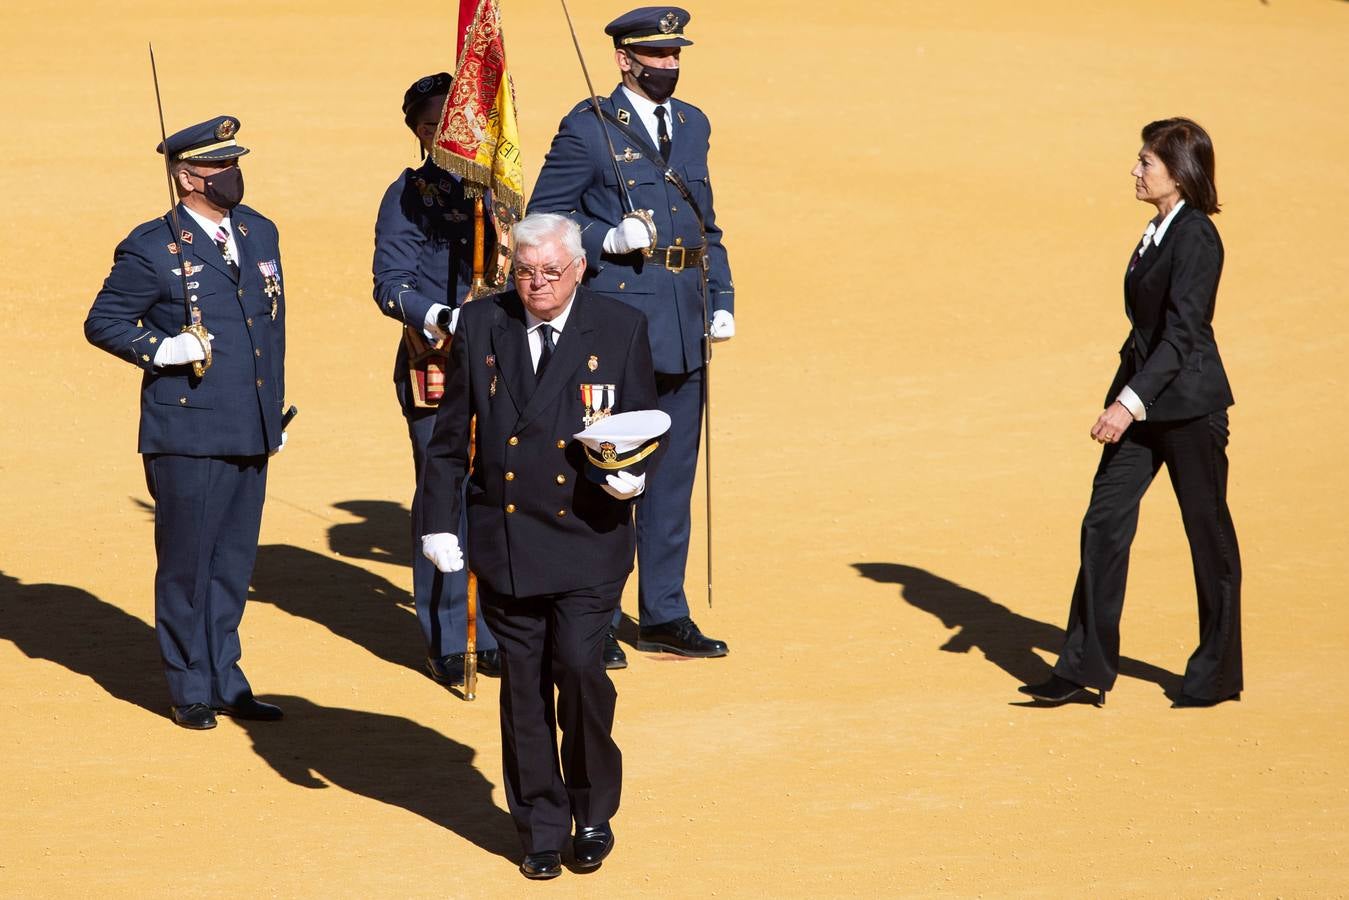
608	452
669	23
593	363
225	130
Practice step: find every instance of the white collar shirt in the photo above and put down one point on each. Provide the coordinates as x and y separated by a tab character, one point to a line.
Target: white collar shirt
210	228
1153	236
646	111
533	330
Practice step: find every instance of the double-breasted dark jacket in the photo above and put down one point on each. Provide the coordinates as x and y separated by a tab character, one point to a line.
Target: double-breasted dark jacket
537	524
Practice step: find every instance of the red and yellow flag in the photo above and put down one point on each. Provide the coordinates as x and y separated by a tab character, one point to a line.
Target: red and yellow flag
478	138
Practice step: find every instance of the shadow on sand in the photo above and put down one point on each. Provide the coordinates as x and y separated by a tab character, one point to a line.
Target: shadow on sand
1005	638
362	607
73	628
389	759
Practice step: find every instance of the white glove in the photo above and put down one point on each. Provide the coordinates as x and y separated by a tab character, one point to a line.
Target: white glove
279	447
722	327
181	349
442	548
624	485
430	326
629	235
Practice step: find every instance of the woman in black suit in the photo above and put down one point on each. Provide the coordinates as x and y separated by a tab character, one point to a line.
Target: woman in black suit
1167	405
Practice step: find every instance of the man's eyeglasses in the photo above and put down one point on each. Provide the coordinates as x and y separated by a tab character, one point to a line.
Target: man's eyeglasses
549	273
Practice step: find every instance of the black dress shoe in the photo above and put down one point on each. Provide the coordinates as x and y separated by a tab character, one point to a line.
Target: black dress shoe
1186	701
251	707
197	716
541	866
447	670
489	663
1059	690
614	657
591	845
680	636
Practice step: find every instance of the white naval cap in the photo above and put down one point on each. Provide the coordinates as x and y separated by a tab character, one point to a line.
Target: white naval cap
624	440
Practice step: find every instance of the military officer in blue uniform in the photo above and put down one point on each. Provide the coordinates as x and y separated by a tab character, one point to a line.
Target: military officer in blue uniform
205	439
423	269
551	534
582	180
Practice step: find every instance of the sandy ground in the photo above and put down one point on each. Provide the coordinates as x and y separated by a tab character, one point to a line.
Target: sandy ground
928	209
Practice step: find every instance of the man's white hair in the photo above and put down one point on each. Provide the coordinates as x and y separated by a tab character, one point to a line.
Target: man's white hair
536	229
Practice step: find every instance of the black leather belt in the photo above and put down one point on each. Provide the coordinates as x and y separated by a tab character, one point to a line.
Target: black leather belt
677	259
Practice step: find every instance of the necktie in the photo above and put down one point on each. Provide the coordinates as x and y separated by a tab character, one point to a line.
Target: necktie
662	133
222	240
545	349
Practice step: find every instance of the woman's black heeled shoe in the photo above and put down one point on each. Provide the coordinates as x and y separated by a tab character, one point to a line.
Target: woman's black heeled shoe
1058	690
1185	701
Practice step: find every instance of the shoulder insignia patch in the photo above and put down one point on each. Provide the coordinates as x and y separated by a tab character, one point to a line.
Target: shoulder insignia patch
186	236
624	116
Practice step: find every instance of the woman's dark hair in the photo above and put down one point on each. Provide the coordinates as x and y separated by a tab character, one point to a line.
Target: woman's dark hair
1186	150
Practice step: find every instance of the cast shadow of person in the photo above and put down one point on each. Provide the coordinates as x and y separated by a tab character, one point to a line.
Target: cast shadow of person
384	533
1005	638
73	628
389	759
366	609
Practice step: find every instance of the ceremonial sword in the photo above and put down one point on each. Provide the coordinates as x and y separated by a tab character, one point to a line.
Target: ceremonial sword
633	212
194	324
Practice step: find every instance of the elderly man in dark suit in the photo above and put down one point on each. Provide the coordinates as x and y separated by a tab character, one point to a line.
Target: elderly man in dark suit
551	546
660	147
205	438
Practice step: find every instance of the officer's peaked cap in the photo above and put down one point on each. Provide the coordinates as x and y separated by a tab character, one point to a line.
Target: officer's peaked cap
650	26
211	141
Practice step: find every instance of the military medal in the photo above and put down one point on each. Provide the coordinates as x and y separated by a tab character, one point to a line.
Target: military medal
598	401
593	363
271	282
492	388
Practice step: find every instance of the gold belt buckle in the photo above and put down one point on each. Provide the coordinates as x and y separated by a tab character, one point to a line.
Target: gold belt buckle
669	252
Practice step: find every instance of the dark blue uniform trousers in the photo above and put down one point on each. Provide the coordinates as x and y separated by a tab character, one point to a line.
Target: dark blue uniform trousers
441	600
557	641
663	509
1195	454
208	511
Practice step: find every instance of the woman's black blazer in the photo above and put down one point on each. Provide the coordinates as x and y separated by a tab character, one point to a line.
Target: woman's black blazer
1170	358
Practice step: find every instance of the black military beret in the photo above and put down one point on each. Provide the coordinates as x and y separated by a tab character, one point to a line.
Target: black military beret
430	86
650	26
208	141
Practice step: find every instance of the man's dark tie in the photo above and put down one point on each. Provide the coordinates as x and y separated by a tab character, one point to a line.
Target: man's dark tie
222	242
545	349
662	133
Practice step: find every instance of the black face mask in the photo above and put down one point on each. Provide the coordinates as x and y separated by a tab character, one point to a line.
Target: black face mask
658	84
225	188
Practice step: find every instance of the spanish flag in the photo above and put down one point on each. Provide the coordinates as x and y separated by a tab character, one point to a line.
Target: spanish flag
478	138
